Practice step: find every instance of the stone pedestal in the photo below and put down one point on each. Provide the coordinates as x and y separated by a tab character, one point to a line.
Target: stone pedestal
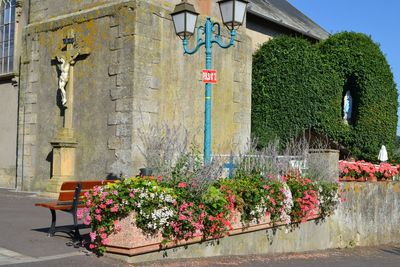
324	164
63	165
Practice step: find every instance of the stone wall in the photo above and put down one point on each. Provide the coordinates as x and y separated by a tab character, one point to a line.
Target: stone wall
92	101
8	138
369	216
168	87
136	75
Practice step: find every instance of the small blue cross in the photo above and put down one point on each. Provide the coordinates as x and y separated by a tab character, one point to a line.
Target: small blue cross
230	166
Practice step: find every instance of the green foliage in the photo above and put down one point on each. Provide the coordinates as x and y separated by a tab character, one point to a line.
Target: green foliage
328	197
298	85
288	95
363	69
248	194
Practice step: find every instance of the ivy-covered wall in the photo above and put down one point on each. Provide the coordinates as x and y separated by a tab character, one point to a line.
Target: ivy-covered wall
298	86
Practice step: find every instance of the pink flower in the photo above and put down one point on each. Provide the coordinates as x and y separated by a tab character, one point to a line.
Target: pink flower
117	226
79	214
183	207
115	192
98	211
88	203
114	209
92	236
98	218
105	241
182	185
182	217
103	196
131	195
91	246
103	236
109	201
87	220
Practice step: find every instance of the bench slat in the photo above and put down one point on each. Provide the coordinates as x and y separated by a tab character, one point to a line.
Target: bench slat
70	185
54	206
66	196
90	184
67	193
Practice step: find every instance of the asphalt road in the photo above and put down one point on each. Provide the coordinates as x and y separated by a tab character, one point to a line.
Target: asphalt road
23	242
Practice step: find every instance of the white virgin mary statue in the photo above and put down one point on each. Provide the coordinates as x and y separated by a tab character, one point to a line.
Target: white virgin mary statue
383	155
347	106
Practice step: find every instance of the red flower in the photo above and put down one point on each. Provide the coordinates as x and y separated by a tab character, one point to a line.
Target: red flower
182	185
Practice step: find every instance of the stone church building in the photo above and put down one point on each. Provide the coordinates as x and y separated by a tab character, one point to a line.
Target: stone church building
127	70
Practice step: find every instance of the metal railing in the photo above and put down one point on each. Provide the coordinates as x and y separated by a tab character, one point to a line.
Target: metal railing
263	163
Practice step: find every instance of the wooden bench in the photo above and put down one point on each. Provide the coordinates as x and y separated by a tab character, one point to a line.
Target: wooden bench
70	200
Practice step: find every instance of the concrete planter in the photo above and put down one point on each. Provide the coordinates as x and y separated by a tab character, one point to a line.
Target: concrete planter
132	241
369	216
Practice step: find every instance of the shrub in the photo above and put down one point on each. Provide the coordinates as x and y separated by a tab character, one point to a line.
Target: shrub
292	90
298	86
364	71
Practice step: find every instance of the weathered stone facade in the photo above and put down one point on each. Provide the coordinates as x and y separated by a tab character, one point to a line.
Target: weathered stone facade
8	138
135	75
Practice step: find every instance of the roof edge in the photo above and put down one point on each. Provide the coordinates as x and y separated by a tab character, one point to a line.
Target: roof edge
308	34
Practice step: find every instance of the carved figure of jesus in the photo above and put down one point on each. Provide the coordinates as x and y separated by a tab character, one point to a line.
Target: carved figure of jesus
63	66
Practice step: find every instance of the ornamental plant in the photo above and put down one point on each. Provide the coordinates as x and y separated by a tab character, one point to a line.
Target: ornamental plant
177	214
305	198
385	171
328	197
356	170
298	85
255	197
366	170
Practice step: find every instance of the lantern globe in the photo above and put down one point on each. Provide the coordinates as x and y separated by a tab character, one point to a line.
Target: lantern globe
184	18
233	12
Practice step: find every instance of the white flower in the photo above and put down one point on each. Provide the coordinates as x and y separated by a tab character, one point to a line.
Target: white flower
287	203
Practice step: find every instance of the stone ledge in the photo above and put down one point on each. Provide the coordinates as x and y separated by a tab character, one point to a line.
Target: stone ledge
370	216
149	248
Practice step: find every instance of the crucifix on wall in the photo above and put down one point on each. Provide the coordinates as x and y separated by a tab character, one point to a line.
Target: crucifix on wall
64	143
65	63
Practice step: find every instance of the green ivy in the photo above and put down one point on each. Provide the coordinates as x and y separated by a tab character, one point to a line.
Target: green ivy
298	85
364	70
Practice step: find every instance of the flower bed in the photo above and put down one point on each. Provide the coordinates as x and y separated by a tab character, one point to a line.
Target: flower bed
362	171
177	212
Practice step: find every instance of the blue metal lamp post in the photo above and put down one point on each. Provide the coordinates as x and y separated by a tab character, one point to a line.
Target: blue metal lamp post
184	18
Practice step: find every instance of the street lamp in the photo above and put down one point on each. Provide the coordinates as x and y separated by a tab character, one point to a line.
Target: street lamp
184	17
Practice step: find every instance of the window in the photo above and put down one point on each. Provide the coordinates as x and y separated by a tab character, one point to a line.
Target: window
7	32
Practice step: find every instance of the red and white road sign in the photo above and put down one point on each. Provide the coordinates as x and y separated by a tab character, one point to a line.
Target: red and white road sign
209	76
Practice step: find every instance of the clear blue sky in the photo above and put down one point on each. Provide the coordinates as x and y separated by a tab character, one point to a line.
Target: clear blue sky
379	19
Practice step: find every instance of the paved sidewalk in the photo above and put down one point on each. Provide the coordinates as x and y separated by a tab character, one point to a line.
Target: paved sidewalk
23	235
24	242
